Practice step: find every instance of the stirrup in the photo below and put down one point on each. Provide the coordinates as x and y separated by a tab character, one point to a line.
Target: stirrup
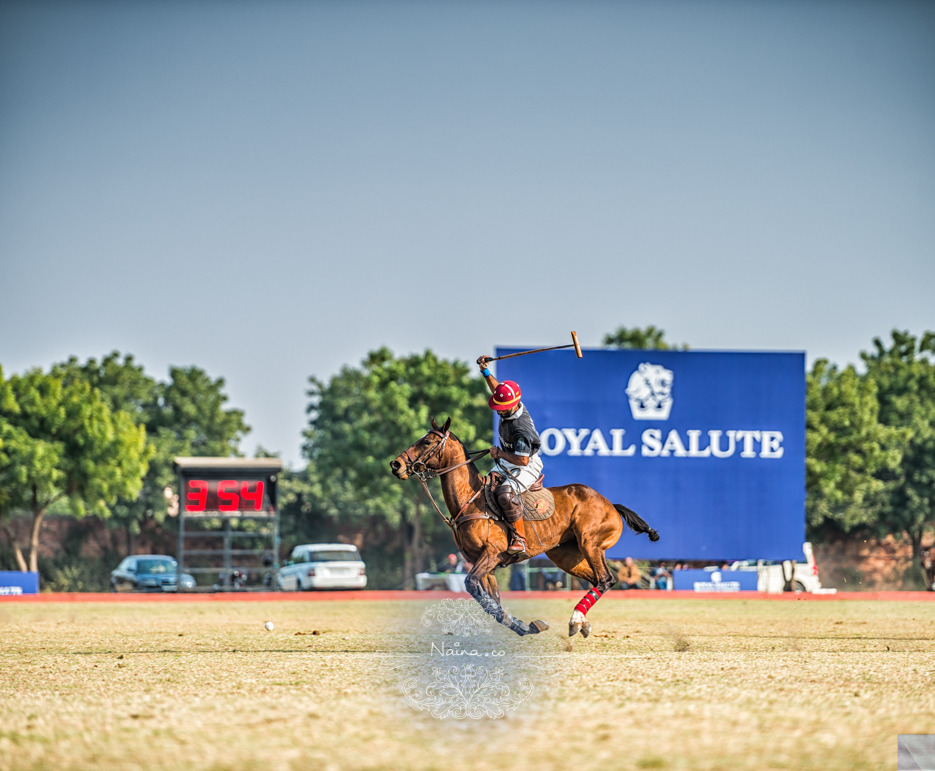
517	546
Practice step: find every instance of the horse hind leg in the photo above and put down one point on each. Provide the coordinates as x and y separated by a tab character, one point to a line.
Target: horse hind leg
605	580
572	559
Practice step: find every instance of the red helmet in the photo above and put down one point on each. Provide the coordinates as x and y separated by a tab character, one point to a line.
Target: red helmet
505	396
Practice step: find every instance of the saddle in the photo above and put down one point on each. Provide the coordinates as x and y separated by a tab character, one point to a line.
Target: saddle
538	501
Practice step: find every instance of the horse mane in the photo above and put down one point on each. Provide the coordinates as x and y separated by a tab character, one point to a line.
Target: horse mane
470	465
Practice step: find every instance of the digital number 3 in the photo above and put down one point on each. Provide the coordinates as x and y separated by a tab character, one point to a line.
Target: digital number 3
197	495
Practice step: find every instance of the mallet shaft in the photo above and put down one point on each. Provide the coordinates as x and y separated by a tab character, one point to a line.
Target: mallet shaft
526	353
575	344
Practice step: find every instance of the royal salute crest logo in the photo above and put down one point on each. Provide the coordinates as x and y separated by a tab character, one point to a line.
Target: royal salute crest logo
650	392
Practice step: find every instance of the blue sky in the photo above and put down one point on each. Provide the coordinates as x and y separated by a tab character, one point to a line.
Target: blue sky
271	190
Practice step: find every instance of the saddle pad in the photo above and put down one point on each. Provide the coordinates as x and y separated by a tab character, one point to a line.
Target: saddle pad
537	505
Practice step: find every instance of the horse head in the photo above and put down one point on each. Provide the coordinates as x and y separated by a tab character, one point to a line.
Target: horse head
424	454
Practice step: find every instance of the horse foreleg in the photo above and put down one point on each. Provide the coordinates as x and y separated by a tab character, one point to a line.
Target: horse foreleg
474	583
491	587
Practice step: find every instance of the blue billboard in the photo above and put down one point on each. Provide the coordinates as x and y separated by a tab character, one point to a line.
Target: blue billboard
707	447
715	580
14	583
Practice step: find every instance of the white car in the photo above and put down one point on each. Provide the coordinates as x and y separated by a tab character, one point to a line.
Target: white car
770	574
323	566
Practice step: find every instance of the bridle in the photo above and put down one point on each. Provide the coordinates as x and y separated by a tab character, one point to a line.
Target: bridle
419	468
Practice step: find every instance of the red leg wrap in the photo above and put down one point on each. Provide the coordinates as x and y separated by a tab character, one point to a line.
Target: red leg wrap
588	601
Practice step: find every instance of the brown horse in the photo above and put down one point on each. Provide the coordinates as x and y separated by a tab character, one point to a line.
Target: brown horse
584	526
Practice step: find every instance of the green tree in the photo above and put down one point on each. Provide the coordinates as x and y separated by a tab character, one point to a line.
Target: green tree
904	376
185	416
123	384
847	449
364	417
62	442
640	337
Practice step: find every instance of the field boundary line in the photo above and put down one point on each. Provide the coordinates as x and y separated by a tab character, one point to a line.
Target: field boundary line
379	595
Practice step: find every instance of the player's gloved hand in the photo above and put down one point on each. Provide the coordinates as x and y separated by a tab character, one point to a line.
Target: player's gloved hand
482	362
494	453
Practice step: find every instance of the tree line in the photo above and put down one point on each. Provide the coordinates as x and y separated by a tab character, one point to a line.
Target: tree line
870	442
97	439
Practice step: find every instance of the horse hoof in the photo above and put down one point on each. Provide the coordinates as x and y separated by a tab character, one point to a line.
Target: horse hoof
586	629
573	629
537	626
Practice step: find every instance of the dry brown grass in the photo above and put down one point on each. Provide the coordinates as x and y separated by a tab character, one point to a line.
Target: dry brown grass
659	684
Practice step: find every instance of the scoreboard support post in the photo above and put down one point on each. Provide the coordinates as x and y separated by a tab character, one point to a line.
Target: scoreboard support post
180	551
232	491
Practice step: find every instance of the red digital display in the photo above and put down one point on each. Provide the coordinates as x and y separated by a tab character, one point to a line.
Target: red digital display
225	495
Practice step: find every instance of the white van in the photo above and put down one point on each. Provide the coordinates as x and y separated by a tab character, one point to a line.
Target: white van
770	574
323	566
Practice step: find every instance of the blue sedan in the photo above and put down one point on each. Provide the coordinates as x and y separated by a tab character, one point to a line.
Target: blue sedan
148	573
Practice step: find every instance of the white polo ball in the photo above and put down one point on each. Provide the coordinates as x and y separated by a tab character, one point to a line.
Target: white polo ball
268	626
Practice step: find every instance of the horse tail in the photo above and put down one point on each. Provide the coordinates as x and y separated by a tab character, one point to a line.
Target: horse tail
635	522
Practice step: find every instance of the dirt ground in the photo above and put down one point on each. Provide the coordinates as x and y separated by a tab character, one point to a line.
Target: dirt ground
679	684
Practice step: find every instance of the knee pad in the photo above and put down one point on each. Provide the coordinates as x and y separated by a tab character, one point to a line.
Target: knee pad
509	502
506	495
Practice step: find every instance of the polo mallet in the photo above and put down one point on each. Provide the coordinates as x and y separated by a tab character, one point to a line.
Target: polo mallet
574	344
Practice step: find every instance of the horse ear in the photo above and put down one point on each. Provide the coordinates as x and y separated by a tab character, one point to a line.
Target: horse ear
447	425
434	424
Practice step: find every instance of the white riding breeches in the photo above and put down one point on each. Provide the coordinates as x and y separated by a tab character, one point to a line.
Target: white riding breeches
520	478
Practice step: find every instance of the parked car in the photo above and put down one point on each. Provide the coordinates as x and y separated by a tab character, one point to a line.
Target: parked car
323	566
770	574
148	573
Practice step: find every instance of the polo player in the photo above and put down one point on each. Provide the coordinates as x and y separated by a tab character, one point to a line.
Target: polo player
517	459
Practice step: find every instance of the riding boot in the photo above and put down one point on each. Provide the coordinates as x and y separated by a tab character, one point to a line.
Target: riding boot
512	508
519	541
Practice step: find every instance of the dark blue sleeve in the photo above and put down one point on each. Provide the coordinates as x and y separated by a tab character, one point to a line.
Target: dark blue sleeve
522	447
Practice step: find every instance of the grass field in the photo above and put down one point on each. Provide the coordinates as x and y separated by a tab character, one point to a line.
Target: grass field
659	684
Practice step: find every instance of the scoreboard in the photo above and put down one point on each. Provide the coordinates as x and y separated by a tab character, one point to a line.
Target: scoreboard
222	496
225	487
229	490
